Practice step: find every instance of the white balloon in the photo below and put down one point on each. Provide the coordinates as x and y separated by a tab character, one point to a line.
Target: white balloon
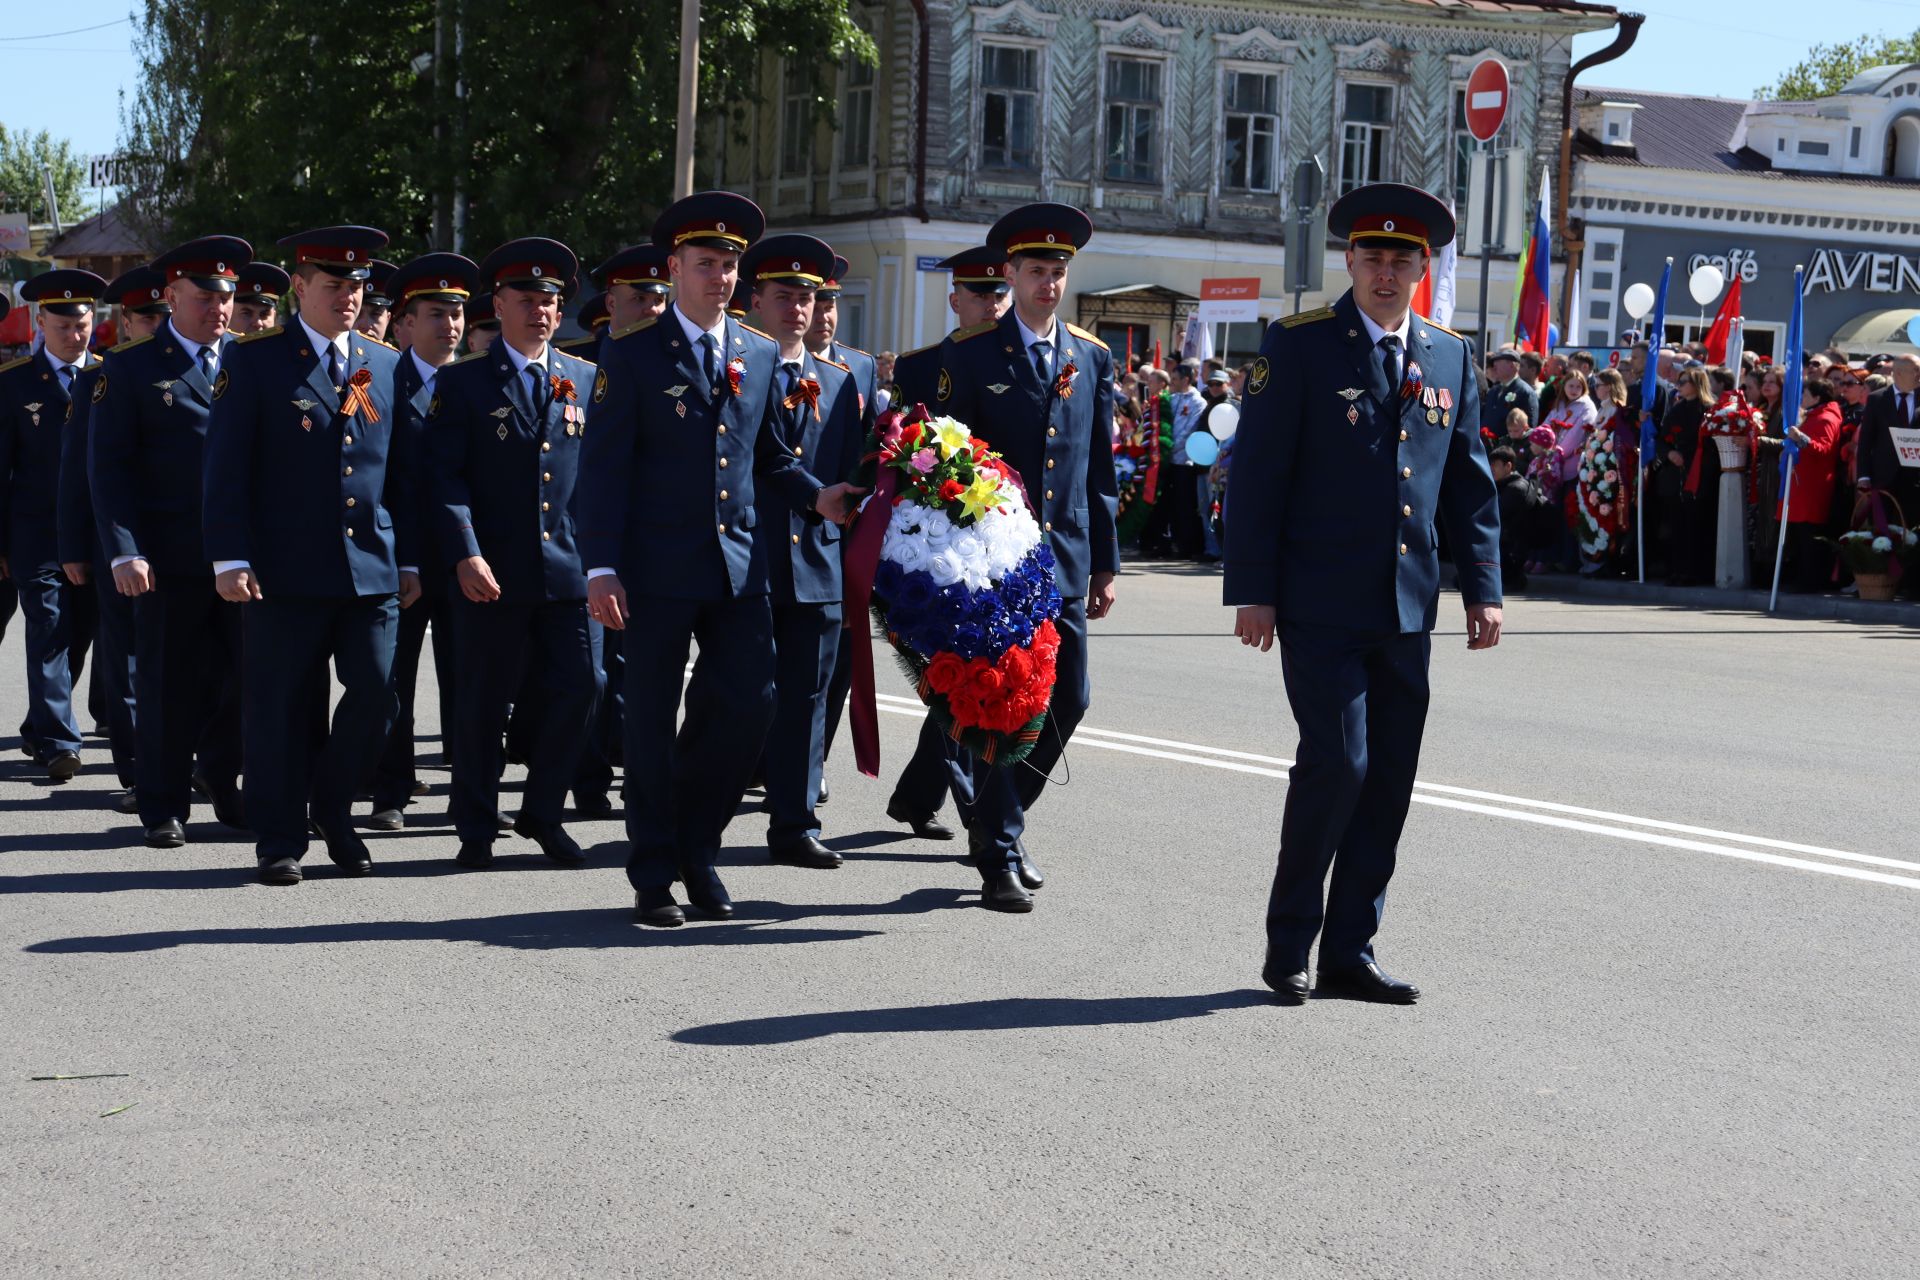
1223	421
1638	300
1706	283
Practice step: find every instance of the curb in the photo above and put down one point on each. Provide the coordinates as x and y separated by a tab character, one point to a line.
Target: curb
1838	608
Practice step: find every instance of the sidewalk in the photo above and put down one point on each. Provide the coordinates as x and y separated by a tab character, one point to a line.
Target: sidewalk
1571	586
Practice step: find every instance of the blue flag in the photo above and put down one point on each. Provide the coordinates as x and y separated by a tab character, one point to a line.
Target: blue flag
1790	384
1650	379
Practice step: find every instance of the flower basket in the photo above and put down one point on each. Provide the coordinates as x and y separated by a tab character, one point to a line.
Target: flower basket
964	588
1733	452
1877	552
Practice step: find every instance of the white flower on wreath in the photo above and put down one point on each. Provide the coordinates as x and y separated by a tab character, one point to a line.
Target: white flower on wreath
1883	544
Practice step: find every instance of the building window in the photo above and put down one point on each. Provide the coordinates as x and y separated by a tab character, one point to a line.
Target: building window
856	116
1252	131
1465	146
1366	134
1010	107
1133	120
1812	148
1780	144
852	324
796	121
1853	144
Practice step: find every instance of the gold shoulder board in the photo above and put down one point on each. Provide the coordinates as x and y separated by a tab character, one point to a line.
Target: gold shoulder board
961	335
635	327
1084	336
130	343
1307	317
15	364
255	337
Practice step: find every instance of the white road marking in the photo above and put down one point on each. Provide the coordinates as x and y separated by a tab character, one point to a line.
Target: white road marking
1516	808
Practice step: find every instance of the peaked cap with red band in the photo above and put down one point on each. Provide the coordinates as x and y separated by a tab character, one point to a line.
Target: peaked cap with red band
1391	213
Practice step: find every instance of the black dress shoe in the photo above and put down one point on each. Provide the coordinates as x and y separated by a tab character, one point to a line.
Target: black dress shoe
280	870
419	788
1367	982
62	765
927	827
592	804
656	907
1029	869
503	822
707	895
475	854
1002	891
822	797
127	801
166	835
386	820
347	850
200	782
229	809
1289	982
552	839
804	852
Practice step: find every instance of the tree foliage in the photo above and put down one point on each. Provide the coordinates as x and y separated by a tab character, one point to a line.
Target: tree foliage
260	118
1827	67
23	187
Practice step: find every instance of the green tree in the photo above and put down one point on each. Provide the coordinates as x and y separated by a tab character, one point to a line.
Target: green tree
265	117
24	157
1827	67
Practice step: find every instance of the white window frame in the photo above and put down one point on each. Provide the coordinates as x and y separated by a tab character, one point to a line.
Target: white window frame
1388	168
1278	70
842	89
1108	53
977	127
781	167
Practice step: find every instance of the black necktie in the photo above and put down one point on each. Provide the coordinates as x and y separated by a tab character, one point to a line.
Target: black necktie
1040	361
712	347
66	377
1906	417
1390	361
333	366
209	363
542	392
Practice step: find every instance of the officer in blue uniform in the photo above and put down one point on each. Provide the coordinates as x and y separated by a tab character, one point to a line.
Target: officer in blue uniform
506	430
376	308
430	295
637	285
1359	437
684	435
256	298
148	427
979	296
594	318
482	325
141	298
818	418
35	392
298	446
9	594
1040	391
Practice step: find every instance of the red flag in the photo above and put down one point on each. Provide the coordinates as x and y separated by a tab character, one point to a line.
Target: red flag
1716	339
1423	295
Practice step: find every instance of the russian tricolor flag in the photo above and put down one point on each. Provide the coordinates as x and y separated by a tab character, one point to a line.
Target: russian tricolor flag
1532	312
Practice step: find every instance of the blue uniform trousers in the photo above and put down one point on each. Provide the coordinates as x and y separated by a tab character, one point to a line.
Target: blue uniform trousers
938	766
538	651
394	776
806	644
55	648
1003	795
1360	699
682	792
841	683
287	637
113	668
186	675
597	753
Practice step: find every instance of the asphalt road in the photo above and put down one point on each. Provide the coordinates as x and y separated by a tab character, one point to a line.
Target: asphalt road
1644	1050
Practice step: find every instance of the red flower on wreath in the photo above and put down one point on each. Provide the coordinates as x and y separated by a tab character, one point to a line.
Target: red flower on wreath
950	490
1001	696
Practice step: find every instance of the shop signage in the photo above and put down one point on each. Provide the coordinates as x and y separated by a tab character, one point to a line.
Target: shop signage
1832	270
1734	264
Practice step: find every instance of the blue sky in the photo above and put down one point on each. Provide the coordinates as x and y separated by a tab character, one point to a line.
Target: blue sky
1719	48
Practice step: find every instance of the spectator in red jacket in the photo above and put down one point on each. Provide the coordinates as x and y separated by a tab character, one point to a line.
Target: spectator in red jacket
1811	500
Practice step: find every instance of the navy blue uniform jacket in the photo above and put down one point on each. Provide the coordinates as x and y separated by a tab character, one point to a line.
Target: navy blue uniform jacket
503	475
1062	446
671	468
1338	481
147	438
33	422
803	553
295	486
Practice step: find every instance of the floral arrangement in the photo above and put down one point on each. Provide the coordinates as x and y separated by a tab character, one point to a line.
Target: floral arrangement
1868	551
1136	470
1600	510
964	587
1733	417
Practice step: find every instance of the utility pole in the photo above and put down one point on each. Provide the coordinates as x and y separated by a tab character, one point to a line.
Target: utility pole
689	98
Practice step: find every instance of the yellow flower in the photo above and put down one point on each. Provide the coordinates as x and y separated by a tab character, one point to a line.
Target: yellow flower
950	436
982	496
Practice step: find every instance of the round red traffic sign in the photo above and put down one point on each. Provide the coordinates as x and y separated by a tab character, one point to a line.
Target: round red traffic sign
1488	93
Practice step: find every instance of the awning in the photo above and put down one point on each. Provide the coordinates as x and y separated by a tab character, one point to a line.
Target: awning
1875	332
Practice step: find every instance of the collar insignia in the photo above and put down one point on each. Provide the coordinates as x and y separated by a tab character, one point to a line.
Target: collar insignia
677	392
1350	394
999	388
502	412
304	404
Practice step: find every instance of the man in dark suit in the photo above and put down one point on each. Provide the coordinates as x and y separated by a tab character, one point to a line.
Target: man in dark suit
141	297
430	295
1040	392
1878	467
506	431
1507	391
35	392
683	436
1359	433
818	419
979	296
151	406
298	446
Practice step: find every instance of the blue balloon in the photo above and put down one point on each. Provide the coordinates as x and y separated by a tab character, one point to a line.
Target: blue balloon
1553	335
1202	449
1913	331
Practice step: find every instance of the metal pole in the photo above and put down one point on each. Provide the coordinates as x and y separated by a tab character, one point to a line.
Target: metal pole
53	202
1640	515
1486	247
689	98
1302	230
1780	546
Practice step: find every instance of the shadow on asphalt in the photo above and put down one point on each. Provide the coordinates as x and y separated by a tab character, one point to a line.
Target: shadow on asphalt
972	1015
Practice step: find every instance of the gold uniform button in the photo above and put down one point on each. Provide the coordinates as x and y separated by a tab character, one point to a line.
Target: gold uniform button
723	528
546	506
1053	431
347	440
797	451
349	501
723	464
723	428
1406	473
347	472
546	446
547	537
1049	464
1403	433
1403	548
796	539
1049	493
348	532
1406	511
723	495
1047	527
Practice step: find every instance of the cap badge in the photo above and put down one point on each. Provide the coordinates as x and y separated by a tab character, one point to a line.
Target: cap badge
219	266
349	255
796	266
1387	225
443	284
536	273
719	226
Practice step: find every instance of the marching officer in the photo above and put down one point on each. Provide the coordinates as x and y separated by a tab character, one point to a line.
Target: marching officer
506	430
683	437
1359	433
151	404
430	295
376	309
482	326
298	446
35	392
979	296
256	298
637	285
9	594
141	298
818	418
1040	392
